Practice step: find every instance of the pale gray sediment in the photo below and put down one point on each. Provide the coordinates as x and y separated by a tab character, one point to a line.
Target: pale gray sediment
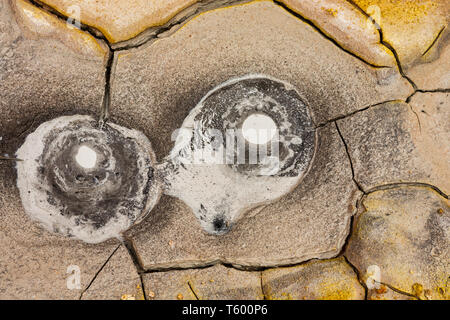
91	203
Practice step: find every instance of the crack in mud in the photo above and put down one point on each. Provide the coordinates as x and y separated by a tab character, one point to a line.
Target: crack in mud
98	272
351	225
385	43
143	287
350	159
320	125
134	256
265	297
399	291
417	117
106	103
83	27
181	18
438	90
407	184
335	42
434	41
192	290
358	276
200	265
231	266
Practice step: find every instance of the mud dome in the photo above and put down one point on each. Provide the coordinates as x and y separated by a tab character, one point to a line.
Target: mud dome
85	182
217	168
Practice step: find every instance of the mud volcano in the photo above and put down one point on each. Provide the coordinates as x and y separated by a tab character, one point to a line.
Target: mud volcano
86	182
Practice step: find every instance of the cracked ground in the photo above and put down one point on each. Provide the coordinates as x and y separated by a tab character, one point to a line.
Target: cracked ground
376	76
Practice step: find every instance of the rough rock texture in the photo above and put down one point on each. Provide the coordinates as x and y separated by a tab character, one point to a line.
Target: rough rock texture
409	26
405	232
120	20
46	70
117	280
385	293
344	23
315	280
431	71
213	283
310	222
397	142
165	79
